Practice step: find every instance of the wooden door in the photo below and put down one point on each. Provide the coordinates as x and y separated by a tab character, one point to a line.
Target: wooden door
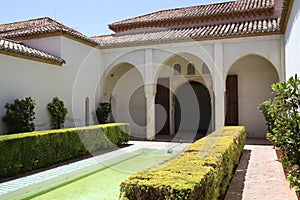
163	99
232	108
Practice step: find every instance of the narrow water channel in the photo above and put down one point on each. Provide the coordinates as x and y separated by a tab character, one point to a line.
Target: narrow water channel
104	184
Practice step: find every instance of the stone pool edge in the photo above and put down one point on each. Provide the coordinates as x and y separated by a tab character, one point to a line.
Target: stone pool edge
22	186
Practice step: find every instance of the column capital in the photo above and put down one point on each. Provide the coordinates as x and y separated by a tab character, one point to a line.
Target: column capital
150	90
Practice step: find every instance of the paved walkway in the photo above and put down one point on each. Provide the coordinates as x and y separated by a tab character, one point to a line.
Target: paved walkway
259	176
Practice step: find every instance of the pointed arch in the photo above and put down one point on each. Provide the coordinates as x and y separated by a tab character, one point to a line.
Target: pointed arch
124	88
256	55
254	76
168	82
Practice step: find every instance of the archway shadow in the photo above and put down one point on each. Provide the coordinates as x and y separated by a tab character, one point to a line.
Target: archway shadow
193	111
180	138
237	184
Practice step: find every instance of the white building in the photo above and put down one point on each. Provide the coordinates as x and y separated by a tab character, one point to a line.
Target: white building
178	71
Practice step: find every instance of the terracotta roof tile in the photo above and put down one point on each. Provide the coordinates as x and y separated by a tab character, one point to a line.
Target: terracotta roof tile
202	32
19	48
235	8
38	26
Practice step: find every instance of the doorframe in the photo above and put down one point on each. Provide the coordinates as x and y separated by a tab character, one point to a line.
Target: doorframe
164	82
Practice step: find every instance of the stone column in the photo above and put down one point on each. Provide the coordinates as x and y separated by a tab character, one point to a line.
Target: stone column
150	111
219	86
150	92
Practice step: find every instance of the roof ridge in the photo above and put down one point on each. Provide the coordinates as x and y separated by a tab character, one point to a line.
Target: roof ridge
95	36
39	26
232	29
27	20
173	9
25	23
161	29
182	8
180	15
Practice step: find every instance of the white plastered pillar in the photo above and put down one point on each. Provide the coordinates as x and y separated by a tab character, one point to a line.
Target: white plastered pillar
219	88
102	77
150	92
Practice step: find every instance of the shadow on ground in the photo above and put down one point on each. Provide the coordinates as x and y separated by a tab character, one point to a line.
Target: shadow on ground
178	137
235	190
257	141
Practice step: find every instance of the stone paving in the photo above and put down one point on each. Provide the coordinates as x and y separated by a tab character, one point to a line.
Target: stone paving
259	176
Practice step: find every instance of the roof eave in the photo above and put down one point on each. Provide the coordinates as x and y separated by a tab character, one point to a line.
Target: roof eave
286	12
52	34
197	39
32	57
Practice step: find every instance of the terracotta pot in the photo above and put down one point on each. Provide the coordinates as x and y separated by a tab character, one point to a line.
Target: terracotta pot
280	154
286	171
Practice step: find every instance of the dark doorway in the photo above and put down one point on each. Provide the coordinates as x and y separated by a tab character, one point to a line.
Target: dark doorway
162	107
232	108
192	109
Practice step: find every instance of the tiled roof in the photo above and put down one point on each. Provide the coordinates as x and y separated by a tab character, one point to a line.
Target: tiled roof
286	9
14	47
234	8
39	26
202	32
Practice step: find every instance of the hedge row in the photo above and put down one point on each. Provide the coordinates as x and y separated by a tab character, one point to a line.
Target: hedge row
21	153
202	171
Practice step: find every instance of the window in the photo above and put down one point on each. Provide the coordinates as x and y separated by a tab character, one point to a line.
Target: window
191	69
177	69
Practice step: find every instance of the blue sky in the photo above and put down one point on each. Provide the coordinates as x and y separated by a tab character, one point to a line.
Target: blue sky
90	17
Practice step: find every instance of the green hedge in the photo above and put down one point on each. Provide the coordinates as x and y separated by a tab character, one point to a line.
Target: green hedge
202	171
24	152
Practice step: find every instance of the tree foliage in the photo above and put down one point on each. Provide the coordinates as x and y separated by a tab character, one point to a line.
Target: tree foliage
283	120
58	113
20	115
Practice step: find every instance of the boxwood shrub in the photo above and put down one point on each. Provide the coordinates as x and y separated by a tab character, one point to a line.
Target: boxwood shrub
202	171
21	153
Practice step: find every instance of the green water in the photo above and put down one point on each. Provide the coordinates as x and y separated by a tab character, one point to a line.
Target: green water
104	184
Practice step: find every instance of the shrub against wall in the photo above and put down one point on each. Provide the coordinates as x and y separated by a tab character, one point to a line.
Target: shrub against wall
282	114
20	153
103	112
202	171
20	115
58	113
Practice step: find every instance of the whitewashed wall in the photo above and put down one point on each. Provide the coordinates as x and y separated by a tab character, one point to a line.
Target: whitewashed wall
255	77
51	45
219	56
79	78
292	42
124	88
72	82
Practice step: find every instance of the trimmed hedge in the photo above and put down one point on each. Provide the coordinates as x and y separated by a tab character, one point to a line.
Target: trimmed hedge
202	171
21	153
